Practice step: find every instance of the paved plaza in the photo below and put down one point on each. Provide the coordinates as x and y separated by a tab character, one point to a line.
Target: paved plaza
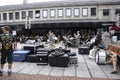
57	25
87	68
44	77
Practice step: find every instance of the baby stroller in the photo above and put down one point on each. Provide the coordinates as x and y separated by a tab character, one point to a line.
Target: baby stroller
100	55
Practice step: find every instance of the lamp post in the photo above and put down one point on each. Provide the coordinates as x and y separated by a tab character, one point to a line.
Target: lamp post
28	24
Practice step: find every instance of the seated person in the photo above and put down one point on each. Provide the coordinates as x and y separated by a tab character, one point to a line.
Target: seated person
114	59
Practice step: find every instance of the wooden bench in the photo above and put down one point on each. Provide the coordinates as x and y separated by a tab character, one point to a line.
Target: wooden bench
116	49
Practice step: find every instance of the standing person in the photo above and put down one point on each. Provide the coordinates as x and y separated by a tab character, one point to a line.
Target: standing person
51	40
77	37
7	40
98	40
106	39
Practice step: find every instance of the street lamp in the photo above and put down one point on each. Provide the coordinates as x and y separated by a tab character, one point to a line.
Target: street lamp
28	24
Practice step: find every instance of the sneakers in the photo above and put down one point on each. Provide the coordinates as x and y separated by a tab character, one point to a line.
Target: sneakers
9	73
114	72
1	73
91	57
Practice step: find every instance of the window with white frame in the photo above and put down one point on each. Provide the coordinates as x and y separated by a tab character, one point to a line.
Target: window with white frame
84	11
0	16
106	12
68	12
76	12
52	13
17	15
45	13
37	14
23	14
117	11
10	16
4	16
93	11
60	12
30	14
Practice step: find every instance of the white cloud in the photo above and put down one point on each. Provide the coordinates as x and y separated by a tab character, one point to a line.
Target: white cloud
9	2
30	1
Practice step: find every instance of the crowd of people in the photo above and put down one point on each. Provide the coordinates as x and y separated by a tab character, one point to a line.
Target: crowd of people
103	39
69	39
76	40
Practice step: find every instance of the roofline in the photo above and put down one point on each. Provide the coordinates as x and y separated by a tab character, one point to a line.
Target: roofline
57	4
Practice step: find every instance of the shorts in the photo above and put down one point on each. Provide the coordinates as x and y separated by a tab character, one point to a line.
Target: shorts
118	58
6	55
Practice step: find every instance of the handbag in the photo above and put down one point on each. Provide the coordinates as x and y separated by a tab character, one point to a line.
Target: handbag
57	53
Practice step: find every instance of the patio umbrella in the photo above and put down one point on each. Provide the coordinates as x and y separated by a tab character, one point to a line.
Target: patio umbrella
116	28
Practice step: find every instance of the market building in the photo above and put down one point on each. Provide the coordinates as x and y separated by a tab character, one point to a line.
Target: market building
60	16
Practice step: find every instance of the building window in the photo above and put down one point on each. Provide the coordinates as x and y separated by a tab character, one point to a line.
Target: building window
45	13
23	14
68	12
10	16
76	12
106	12
85	11
0	17
30	14
4	16
117	11
60	13
37	14
17	15
93	11
52	13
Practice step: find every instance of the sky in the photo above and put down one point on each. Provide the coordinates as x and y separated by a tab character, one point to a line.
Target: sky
9	2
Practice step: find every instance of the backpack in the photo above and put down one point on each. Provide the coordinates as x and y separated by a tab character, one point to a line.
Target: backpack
7	40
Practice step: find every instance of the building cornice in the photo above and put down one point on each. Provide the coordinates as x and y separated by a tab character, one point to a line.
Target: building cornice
58	4
56	21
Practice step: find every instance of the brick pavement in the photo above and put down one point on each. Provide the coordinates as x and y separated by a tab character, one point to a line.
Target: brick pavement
16	76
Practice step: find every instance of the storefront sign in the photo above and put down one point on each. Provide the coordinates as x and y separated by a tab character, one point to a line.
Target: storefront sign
14	33
107	24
